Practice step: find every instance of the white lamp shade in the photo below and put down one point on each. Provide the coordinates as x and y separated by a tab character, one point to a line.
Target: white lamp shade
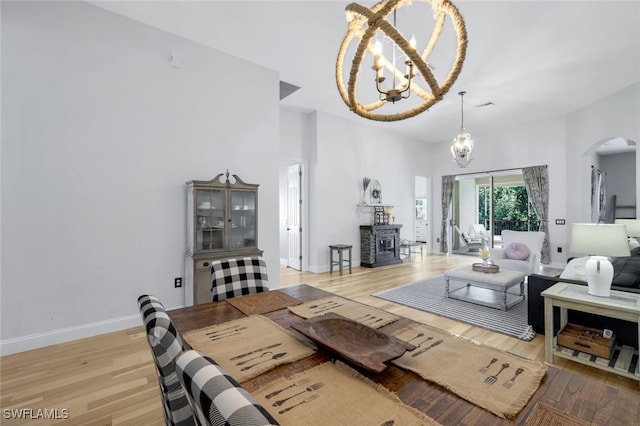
632	225
599	239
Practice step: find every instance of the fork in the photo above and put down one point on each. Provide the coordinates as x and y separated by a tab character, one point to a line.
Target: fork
492	379
511	381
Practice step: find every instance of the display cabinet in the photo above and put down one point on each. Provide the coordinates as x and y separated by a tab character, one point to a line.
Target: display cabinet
222	223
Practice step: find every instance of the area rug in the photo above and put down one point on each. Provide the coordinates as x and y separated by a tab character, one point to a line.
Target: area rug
429	296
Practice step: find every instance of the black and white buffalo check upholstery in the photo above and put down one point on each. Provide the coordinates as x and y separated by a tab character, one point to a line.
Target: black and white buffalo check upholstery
237	277
217	398
166	345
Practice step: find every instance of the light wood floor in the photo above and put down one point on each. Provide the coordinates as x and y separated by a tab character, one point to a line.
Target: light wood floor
110	379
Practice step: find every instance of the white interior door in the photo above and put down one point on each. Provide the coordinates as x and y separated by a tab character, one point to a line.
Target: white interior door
294	215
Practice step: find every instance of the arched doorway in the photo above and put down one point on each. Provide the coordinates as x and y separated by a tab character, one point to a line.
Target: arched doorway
612	179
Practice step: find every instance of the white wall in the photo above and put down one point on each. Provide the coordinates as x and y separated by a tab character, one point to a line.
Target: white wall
338	153
100	134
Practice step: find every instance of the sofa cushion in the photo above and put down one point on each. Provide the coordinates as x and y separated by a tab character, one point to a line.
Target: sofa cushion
575	269
517	251
626	272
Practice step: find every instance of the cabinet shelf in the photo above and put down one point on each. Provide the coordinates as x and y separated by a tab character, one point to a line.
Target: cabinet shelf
221	224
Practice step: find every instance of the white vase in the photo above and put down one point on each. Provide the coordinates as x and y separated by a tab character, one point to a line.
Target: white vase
599	273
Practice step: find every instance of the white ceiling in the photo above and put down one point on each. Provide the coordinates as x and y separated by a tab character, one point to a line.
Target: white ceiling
533	59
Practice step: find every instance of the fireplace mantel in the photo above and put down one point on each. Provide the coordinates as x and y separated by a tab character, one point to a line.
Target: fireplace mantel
379	245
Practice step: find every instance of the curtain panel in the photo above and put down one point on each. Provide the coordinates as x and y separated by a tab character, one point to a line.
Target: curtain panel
448	183
536	182
598	196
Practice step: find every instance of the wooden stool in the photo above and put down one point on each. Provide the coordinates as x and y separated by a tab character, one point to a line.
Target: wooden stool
340	248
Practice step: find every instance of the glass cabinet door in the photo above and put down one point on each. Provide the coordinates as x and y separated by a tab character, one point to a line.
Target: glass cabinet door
210	223
243	219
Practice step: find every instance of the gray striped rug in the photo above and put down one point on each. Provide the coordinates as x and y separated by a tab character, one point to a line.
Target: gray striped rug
429	296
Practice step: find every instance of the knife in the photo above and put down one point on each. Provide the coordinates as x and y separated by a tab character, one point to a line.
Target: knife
255	351
421	351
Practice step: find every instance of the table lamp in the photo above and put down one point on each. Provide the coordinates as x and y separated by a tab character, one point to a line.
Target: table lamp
632	225
599	241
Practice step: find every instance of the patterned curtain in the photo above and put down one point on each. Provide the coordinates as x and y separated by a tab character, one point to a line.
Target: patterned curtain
536	182
598	200
448	183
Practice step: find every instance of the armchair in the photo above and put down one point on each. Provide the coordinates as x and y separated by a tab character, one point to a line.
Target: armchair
473	244
511	255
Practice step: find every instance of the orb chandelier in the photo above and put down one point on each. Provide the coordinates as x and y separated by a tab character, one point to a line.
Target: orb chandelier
363	25
462	144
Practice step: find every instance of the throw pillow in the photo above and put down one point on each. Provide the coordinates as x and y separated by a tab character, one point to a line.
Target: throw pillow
575	269
517	251
633	243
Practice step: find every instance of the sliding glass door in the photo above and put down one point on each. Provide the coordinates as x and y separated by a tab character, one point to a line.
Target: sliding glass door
489	202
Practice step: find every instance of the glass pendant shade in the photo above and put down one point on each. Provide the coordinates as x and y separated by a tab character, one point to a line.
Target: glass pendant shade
462	148
462	144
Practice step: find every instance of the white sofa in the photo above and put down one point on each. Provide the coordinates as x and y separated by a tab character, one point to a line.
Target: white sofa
533	241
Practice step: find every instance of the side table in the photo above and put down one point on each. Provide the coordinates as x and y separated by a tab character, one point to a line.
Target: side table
622	305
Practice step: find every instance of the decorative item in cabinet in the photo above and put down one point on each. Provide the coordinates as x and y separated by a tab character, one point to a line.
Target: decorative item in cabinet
222	222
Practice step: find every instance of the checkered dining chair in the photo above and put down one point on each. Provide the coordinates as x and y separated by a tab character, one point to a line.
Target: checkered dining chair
237	277
217	397
166	345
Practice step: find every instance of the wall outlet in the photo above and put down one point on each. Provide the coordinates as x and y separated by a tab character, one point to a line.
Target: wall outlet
560	222
437	240
559	249
177	282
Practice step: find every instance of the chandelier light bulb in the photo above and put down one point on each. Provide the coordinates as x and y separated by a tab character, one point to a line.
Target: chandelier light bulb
412	42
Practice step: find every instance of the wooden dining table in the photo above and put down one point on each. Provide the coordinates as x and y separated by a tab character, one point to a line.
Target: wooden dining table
560	391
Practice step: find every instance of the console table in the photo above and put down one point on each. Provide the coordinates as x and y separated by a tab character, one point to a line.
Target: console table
622	305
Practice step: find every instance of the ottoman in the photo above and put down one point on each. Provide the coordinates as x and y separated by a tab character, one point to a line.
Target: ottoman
487	289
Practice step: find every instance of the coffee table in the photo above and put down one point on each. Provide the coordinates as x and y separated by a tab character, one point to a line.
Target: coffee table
486	289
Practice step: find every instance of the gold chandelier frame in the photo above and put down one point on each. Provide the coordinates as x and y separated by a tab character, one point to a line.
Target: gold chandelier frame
374	17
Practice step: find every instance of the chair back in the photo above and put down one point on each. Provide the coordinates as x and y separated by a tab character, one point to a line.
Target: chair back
532	239
237	277
477	231
166	345
217	398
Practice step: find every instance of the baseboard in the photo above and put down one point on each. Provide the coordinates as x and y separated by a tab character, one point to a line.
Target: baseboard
54	337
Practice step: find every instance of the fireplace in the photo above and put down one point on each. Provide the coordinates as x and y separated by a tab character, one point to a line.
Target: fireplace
379	245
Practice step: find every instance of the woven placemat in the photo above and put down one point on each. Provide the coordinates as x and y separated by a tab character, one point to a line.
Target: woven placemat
248	346
351	309
495	380
262	303
335	394
545	415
